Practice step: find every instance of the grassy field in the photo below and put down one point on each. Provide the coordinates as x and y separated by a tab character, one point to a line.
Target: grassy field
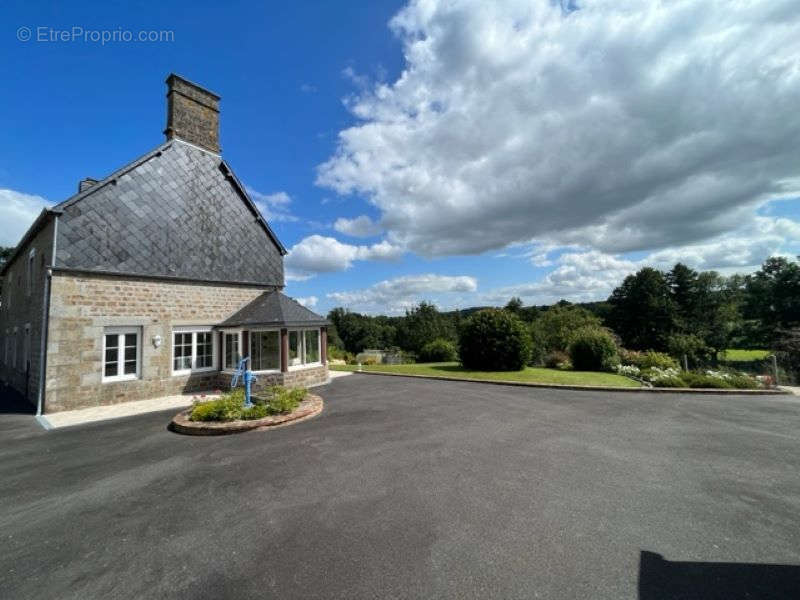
743	355
529	375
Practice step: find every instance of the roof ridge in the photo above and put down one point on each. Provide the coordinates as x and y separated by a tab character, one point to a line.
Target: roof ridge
157	151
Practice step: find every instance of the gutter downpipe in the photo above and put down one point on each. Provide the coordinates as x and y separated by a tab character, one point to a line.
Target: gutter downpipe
45	330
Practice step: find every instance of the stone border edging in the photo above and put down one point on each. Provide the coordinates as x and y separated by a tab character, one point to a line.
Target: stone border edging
310	407
598	388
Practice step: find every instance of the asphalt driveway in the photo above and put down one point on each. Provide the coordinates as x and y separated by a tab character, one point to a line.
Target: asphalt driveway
409	488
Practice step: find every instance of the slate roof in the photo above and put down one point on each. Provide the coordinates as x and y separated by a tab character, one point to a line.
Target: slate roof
177	212
274	308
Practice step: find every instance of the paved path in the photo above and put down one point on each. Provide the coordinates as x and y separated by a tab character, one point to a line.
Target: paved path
407	488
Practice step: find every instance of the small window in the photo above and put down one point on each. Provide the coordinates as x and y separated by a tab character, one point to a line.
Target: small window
232	353
265	350
192	350
121	352
31	271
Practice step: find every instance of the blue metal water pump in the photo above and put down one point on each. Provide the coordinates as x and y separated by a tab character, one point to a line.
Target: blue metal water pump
247	377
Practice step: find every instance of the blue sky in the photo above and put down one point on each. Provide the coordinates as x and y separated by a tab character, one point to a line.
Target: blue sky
487	151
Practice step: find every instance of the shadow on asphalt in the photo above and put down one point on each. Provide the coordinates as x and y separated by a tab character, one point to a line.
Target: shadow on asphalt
661	579
12	402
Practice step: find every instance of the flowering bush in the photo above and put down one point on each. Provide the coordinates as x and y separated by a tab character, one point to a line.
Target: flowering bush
673	377
646	360
656	374
628	370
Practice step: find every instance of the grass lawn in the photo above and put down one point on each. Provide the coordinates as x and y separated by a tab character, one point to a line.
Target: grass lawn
529	375
743	355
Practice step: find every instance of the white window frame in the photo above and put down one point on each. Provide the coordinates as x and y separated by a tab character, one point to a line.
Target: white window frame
194	330
250	347
121	332
31	270
225	333
302	349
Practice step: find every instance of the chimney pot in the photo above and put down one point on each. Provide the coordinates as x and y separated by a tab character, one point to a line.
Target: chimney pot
192	113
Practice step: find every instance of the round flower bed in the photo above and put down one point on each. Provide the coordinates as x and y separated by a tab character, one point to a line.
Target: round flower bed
228	414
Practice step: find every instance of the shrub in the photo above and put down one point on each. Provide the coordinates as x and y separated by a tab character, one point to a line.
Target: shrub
655	374
649	359
283	400
494	340
439	350
743	382
556	360
538	346
670	382
226	408
555	327
592	349
257	411
230	406
703	380
628	370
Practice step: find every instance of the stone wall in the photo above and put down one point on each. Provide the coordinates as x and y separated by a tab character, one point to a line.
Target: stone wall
82	306
307	377
20	308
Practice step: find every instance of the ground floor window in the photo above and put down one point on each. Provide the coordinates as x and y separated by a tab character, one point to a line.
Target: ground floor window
265	350
121	352
192	350
303	347
231	349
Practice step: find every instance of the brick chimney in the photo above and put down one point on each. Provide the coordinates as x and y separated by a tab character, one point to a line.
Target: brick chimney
192	113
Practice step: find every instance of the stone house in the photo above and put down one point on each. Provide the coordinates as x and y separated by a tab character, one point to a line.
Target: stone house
154	281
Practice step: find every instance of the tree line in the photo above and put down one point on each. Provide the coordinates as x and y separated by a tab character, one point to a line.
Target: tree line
680	311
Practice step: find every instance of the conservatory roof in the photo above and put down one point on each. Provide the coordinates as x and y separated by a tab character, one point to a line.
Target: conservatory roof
274	309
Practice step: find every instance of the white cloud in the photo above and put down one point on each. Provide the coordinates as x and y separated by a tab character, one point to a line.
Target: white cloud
579	277
307	88
18	211
361	226
587	275
320	254
620	126
393	296
273	207
309	301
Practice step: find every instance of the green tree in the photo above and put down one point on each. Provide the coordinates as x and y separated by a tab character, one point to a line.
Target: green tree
642	310
421	325
554	328
494	340
772	297
358	332
514	305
